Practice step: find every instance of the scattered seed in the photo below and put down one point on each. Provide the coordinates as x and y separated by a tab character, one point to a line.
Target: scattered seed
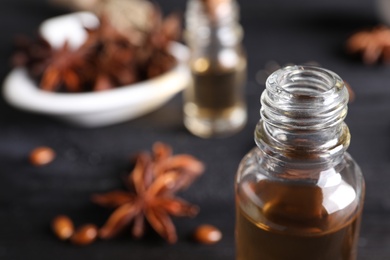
207	234
62	227
42	155
84	235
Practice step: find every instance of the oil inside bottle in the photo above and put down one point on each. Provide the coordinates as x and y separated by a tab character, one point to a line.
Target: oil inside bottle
279	220
214	102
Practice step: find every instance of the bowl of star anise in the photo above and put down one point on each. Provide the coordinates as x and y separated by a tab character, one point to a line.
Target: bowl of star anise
93	70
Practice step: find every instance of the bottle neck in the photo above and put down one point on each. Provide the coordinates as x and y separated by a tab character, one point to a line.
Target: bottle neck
302	118
217	27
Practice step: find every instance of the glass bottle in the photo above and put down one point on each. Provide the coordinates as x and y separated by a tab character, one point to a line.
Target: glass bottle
299	194
214	102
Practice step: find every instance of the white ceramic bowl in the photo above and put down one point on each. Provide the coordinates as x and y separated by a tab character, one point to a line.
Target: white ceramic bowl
94	108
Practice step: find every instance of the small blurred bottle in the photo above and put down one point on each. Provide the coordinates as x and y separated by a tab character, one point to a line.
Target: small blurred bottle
214	103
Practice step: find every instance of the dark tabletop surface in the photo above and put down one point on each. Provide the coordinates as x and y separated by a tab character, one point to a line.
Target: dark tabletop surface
92	160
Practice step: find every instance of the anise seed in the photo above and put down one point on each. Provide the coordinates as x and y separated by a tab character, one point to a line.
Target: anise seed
42	155
207	234
62	227
84	235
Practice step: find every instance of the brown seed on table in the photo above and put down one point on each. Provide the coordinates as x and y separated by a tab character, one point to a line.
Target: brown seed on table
207	234
42	155
85	235
62	227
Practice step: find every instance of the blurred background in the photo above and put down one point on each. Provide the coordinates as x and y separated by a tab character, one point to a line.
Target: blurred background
91	160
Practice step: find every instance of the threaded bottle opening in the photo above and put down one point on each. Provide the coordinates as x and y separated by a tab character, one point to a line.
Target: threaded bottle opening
304	97
303	81
302	113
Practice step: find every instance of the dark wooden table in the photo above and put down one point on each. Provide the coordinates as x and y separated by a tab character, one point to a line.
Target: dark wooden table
92	160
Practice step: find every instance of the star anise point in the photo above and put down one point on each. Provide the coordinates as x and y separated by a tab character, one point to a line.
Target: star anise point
373	45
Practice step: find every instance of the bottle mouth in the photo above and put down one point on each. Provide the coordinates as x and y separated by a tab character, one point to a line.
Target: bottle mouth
304	82
304	97
302	113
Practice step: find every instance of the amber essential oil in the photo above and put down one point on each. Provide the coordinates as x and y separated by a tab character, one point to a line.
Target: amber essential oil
214	101
292	223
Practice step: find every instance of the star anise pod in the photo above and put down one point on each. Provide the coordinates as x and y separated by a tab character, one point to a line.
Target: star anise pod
122	50
148	35
153	56
373	45
151	194
31	54
65	68
114	56
53	68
